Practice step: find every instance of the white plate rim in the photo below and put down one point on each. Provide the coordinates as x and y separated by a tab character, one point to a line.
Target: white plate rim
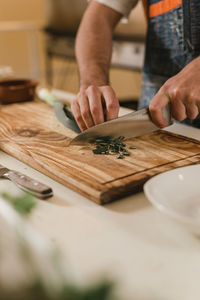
161	207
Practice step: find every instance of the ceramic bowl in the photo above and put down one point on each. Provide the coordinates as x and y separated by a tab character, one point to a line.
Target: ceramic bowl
17	90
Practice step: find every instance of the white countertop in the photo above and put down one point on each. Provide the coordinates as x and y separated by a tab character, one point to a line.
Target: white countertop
149	256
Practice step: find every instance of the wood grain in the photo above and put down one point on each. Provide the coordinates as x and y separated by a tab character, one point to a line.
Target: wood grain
31	133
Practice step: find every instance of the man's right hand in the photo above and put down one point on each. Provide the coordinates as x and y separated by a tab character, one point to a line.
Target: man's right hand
94	105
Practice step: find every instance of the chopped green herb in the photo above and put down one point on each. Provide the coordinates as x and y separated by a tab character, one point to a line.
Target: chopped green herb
106	145
126	153
120	138
97	151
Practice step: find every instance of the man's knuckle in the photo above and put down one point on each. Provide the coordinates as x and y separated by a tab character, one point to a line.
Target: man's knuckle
92	89
110	90
153	108
85	114
111	106
167	85
192	98
94	109
174	92
78	118
82	93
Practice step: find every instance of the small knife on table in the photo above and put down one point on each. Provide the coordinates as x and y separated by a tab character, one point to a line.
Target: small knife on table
26	183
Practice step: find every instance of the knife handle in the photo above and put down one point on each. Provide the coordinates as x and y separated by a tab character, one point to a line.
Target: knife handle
29	185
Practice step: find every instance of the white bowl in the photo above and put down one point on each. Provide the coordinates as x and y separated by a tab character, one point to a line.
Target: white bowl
177	194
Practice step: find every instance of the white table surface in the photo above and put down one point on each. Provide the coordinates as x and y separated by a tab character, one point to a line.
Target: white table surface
149	256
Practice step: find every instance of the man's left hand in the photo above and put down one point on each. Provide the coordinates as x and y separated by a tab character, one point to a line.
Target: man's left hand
183	91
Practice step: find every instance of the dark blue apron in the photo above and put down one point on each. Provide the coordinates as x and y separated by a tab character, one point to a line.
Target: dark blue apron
173	40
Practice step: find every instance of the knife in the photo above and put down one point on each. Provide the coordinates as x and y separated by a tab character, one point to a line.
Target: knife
26	183
131	125
61	110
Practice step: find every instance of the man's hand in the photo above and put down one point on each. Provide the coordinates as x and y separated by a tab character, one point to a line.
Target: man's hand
96	101
183	91
94	105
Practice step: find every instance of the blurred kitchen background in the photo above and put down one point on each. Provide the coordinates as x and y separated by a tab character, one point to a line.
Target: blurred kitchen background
37	40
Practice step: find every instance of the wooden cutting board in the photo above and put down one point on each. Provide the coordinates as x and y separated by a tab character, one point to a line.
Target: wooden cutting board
31	133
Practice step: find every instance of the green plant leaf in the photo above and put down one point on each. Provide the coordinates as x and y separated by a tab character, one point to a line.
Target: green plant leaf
23	203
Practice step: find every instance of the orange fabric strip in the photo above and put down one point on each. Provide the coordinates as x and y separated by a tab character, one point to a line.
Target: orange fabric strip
163	7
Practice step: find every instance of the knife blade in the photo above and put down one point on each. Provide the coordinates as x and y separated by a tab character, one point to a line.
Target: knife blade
131	125
26	183
61	110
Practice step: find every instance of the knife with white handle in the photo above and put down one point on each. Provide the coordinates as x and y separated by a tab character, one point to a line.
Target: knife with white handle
26	183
